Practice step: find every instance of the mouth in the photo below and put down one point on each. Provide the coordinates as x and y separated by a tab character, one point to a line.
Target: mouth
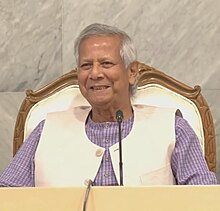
99	88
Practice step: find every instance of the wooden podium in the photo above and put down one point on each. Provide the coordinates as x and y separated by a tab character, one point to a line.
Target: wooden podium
157	198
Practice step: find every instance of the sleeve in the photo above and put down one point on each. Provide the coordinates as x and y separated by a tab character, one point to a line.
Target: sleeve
188	163
20	172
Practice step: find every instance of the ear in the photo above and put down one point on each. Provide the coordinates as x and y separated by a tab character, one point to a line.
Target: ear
133	72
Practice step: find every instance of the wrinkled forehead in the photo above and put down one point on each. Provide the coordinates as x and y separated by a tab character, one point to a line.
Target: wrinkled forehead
115	39
110	43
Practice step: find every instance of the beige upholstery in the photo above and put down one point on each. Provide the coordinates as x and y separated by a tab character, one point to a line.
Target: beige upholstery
61	100
154	88
157	95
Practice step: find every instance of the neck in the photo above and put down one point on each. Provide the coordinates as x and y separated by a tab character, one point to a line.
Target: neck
109	115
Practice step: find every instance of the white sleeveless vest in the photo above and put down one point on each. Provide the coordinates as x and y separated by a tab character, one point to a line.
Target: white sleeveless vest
66	157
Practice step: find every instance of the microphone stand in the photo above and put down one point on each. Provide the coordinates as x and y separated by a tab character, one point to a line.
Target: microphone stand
119	117
90	183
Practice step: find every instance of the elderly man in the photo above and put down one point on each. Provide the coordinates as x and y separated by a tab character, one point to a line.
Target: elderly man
160	147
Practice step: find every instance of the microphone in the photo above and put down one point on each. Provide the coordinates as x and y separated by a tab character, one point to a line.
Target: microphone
119	118
90	183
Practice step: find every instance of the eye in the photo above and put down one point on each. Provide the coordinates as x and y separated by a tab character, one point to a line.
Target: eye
86	66
107	64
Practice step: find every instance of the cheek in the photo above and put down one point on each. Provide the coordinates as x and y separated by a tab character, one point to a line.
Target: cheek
82	78
117	75
121	85
121	80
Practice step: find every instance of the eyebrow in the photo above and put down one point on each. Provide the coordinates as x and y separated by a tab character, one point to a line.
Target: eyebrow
99	60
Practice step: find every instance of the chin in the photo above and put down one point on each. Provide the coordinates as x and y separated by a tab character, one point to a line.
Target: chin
99	100
100	104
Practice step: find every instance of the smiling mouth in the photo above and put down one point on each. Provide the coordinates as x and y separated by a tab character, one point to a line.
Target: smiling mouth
98	88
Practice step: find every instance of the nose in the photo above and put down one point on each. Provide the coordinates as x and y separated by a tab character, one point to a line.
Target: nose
96	72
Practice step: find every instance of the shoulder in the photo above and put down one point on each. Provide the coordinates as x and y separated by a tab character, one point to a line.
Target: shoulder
36	131
183	128
79	113
148	109
185	135
73	111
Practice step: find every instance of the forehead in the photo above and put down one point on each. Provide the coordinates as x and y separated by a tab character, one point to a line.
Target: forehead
100	41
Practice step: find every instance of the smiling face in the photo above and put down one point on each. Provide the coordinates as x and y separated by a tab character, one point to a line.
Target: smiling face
103	79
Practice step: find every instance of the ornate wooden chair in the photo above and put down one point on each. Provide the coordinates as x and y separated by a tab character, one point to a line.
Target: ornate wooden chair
154	88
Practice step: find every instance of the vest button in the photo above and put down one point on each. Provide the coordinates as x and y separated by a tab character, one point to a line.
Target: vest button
99	152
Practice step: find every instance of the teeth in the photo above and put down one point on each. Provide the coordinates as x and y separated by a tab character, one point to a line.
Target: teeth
99	88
